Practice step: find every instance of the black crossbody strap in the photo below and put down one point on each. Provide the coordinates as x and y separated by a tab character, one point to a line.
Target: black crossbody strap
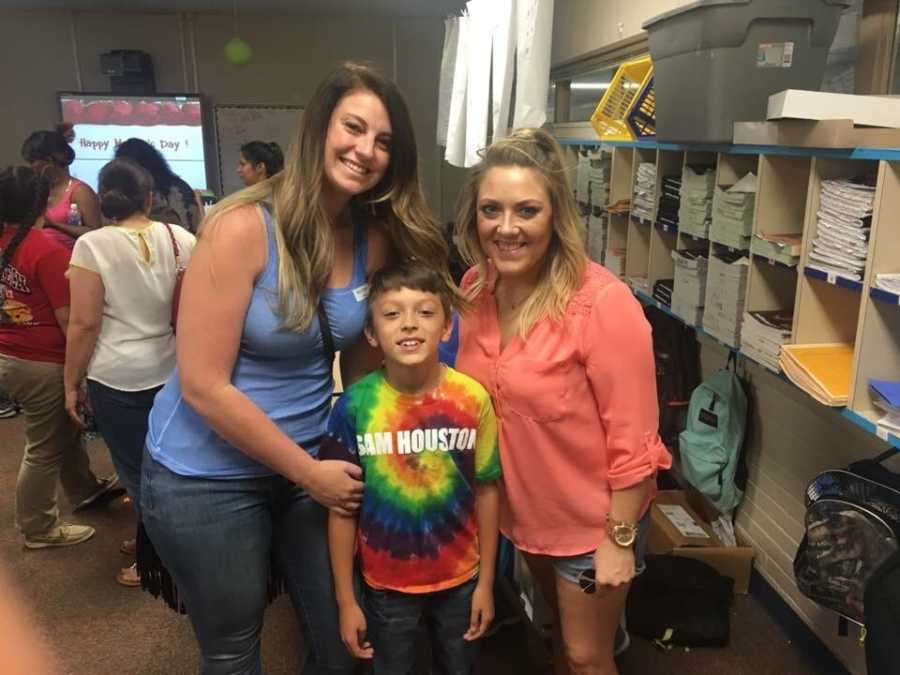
327	337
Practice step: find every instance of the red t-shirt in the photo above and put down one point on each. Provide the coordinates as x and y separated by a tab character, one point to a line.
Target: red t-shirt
31	287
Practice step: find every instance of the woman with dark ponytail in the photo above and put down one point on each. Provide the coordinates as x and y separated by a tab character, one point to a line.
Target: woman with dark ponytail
258	161
169	189
49	153
34	313
120	336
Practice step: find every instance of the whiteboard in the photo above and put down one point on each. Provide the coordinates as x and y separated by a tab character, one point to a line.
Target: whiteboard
239	124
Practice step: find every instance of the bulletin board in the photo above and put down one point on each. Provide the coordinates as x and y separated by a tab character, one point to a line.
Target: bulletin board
239	124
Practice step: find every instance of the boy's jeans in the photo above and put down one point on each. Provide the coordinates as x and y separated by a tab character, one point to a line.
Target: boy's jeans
393	625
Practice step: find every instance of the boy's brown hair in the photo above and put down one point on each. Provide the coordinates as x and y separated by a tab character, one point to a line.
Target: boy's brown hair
412	275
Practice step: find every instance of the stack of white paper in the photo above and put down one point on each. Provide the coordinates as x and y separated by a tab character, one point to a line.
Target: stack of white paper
643	205
762	335
726	284
845	218
732	214
888	282
689	292
598	178
695	208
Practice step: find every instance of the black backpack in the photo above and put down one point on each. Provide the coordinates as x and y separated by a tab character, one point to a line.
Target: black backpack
680	601
677	371
883	618
852	528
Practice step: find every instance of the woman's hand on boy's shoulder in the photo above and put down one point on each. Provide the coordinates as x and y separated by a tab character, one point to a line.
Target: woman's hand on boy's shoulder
336	485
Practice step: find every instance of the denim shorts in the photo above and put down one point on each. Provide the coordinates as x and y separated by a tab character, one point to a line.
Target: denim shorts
570	567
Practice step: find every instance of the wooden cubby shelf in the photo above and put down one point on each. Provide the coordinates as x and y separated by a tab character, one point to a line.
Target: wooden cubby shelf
826	308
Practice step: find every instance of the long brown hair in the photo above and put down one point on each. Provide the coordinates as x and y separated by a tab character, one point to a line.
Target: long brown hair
566	258
304	234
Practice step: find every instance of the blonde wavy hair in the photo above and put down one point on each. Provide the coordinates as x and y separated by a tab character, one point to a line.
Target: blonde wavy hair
566	259
304	233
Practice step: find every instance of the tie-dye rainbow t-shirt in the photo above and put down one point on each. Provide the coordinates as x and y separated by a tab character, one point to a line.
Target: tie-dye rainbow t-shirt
421	457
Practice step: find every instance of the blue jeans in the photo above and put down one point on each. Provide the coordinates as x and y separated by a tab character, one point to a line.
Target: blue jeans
570	567
122	421
393	621
218	539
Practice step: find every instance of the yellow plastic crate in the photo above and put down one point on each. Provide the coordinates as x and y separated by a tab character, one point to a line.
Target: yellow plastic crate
609	119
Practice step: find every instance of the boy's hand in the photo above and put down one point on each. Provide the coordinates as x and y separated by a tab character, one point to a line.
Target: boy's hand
353	632
482	612
336	485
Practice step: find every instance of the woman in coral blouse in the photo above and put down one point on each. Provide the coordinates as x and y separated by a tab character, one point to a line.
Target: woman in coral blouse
564	349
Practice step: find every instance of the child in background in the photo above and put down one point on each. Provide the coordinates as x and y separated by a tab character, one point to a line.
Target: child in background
425	436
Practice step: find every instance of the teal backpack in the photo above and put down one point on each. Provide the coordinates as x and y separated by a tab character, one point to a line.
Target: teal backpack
710	446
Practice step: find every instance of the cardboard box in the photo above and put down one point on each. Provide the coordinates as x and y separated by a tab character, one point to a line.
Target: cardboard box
872	111
676	528
814	134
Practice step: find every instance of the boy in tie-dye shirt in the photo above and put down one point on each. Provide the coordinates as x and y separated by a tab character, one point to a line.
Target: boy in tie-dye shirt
425	436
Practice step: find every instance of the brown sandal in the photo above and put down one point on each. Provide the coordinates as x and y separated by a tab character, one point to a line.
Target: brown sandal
128	576
128	547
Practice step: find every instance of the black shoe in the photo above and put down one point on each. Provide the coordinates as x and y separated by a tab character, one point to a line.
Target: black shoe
108	490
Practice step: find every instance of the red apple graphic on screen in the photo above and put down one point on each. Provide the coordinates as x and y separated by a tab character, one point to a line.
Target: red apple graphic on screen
97	112
146	113
170	113
190	114
121	112
73	110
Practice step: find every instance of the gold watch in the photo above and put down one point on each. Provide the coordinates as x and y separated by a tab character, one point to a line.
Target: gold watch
621	532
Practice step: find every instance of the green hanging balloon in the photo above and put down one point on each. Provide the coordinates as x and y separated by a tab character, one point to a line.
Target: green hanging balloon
238	52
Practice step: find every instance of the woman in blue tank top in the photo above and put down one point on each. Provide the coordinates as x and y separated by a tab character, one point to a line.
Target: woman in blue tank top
232	495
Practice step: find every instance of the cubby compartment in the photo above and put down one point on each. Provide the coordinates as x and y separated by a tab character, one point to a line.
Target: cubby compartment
878	338
616	243
781	199
734	200
637	255
620	175
669	165
769	311
661	265
644	186
698	177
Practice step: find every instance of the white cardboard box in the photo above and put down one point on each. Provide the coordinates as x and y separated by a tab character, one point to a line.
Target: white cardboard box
873	111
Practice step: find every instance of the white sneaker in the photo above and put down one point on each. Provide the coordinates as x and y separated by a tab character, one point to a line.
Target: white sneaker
65	534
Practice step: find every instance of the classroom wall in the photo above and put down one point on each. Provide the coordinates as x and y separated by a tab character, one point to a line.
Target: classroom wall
57	50
792	438
583	26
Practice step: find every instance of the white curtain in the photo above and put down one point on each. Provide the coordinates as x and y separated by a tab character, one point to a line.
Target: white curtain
483	48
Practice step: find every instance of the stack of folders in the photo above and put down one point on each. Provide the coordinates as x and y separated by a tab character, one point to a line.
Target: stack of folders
695	210
845	218
732	214
726	285
888	282
598	178
689	291
763	334
662	291
669	202
783	248
644	202
886	394
597	233
822	371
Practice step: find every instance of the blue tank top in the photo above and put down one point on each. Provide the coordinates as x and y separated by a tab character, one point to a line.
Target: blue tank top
283	372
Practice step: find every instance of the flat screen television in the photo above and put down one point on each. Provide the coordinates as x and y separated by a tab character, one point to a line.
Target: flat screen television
172	123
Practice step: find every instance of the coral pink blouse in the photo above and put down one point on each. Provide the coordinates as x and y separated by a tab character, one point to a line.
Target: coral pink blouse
577	412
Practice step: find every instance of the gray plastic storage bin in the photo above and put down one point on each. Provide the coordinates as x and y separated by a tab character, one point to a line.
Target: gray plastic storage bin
716	62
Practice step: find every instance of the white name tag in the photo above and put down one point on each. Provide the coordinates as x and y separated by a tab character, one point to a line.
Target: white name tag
361	292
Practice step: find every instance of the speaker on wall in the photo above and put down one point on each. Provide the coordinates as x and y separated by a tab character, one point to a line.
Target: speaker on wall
130	71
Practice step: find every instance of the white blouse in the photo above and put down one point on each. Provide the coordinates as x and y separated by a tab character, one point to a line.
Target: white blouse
136	346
